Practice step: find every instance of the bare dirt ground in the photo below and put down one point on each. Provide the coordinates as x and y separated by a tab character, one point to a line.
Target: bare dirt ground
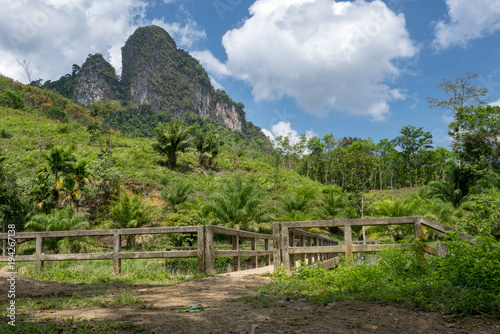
229	311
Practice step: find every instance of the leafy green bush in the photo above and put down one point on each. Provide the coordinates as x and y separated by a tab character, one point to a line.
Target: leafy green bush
5	134
57	113
467	281
11	99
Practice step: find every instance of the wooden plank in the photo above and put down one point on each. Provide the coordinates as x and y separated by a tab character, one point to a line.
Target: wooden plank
443	228
419	236
200	251
277	251
229	231
266	248
348	241
302	257
255	258
38	254
77	256
285	248
233	253
377	248
209	250
351	222
117	246
236	259
308	234
85	233
430	250
157	254
19	258
442	250
309	244
317	250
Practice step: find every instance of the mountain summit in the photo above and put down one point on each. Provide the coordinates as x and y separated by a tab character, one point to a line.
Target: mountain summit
156	73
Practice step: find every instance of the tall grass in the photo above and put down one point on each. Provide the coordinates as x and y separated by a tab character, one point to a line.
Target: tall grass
466	281
101	271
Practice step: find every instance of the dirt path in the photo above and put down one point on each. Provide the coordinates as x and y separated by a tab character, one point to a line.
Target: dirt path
235	306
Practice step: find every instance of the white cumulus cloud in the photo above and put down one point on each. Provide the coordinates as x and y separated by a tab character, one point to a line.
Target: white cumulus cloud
284	129
54	34
210	63
467	20
328	55
496	103
184	34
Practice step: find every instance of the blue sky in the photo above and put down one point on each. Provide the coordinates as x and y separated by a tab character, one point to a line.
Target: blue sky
353	68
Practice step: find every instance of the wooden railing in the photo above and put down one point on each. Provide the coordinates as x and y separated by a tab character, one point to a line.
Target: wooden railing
289	243
236	252
285	249
117	255
300	238
205	249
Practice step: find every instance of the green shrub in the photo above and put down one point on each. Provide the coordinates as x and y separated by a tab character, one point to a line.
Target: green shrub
57	113
5	134
11	99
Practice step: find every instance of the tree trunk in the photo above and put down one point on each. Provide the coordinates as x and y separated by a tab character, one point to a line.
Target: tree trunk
38	121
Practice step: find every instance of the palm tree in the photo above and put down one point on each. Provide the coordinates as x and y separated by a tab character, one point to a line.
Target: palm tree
395	208
333	201
172	139
60	160
207	146
239	205
446	191
60	220
296	207
177	196
129	212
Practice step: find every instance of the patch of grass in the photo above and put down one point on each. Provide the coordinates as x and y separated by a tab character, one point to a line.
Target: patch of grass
100	272
74	326
258	301
75	300
465	282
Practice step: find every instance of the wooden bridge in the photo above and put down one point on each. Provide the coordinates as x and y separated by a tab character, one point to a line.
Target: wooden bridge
288	245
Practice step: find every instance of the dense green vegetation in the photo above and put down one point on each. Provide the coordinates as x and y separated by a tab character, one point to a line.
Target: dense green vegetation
464	282
191	172
236	181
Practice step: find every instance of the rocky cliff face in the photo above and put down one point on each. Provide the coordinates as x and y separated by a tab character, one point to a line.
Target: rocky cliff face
156	72
96	81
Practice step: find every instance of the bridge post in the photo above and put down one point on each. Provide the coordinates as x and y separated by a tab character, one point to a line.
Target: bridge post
210	250
236	259
117	246
302	257
442	250
38	254
309	256
201	249
285	243
277	246
255	258
419	235
348	241
266	248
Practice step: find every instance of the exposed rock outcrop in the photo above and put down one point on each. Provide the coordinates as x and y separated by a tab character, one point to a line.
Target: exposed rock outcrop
157	73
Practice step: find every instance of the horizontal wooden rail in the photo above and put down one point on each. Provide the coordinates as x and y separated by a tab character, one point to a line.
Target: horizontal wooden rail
117	255
287	248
